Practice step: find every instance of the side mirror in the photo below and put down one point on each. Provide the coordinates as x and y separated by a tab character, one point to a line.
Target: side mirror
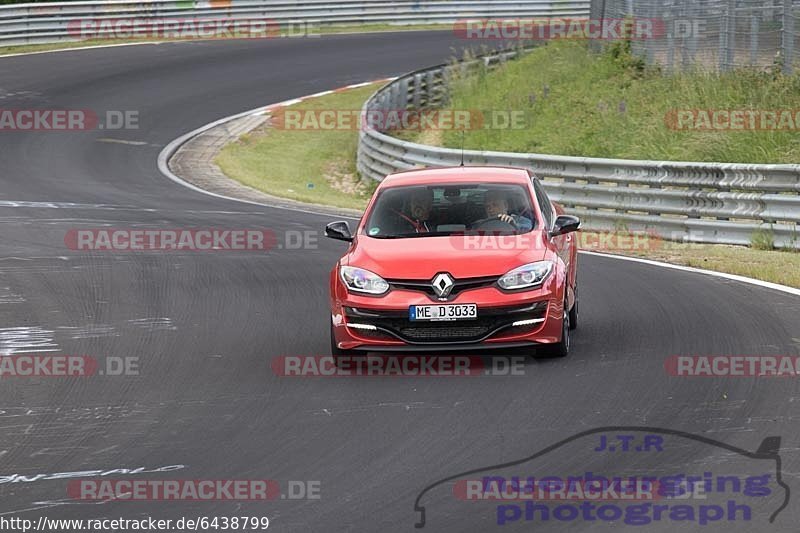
565	224
339	230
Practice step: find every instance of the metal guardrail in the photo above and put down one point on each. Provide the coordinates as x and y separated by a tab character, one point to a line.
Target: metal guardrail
693	202
53	22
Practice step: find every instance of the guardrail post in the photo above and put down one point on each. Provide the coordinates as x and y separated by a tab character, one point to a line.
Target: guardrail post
394	99
402	94
430	87
417	95
443	87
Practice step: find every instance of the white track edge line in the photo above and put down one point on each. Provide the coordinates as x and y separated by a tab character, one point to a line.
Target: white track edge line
682	268
78	48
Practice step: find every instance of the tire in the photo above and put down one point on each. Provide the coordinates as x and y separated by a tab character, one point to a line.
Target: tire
573	313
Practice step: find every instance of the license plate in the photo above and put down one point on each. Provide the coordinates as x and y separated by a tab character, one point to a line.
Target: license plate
443	312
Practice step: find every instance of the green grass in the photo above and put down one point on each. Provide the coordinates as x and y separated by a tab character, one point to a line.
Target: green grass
284	163
322	30
768	265
581	104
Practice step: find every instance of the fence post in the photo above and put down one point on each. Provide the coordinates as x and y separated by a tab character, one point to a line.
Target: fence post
693	35
670	51
787	37
754	27
723	38
597	10
730	47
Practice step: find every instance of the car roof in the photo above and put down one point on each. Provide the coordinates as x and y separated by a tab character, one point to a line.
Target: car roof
466	174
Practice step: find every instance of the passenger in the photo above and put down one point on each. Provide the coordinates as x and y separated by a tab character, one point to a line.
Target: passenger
417	215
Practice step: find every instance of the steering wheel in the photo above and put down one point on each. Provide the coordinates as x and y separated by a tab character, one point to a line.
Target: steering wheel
492	224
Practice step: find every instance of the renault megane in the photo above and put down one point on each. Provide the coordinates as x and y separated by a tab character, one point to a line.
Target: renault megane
456	258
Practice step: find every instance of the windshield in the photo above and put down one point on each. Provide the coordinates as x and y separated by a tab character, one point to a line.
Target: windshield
419	211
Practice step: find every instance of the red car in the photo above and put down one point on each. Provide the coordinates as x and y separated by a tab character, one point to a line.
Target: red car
456	258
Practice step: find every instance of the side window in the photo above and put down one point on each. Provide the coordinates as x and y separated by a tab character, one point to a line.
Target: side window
544	203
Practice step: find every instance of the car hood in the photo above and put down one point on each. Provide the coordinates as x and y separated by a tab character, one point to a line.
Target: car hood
461	256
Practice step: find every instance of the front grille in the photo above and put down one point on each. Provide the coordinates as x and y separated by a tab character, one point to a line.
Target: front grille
490	321
459	285
443	333
375	334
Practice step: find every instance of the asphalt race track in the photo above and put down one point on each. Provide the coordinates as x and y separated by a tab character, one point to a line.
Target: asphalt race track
205	326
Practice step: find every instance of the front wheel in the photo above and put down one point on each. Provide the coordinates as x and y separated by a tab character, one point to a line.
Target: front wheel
573	313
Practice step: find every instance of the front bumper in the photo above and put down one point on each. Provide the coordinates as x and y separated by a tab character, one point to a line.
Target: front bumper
504	321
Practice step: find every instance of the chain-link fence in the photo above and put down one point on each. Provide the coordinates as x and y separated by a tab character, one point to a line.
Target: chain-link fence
720	34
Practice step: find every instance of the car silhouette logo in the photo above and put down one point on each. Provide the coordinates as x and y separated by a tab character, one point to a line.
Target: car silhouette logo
768	451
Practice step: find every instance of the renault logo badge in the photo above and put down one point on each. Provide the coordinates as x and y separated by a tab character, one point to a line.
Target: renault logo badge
442	284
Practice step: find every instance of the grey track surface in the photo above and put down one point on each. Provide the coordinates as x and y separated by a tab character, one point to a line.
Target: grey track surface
206	325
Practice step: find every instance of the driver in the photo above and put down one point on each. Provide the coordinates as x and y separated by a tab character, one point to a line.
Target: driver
496	205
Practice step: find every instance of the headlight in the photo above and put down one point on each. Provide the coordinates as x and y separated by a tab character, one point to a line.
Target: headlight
526	276
360	280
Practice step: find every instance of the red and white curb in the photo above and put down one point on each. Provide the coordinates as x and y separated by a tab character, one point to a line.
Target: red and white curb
171	148
272	107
